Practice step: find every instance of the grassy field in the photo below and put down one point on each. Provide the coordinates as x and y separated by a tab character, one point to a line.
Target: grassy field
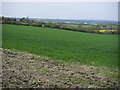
70	46
0	35
75	25
88	26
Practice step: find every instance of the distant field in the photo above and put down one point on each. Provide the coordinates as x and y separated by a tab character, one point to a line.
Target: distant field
86	48
75	25
88	26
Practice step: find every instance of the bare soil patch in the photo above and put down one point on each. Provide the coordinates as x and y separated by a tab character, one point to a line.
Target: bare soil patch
25	70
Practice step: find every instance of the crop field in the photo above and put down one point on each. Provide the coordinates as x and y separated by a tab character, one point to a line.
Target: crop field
88	26
0	35
70	46
73	25
76	25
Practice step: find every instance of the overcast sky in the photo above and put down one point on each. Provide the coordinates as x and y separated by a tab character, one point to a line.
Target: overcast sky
76	10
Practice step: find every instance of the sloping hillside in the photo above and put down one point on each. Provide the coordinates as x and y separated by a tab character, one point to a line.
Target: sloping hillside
70	46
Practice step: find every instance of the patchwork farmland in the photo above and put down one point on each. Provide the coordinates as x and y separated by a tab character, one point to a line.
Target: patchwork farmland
57	45
69	59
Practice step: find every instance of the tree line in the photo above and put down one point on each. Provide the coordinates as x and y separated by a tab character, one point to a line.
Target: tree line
27	22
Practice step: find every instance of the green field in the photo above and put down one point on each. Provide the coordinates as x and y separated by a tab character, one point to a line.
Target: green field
0	35
70	46
76	25
87	26
73	25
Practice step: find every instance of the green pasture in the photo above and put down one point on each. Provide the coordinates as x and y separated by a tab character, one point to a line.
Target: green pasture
73	25
76	25
70	46
87	26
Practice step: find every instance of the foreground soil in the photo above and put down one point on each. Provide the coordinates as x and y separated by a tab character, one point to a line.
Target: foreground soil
25	70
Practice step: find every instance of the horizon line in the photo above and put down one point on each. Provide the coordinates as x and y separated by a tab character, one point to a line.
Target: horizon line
58	18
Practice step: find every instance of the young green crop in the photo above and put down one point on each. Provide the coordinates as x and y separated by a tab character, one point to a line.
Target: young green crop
70	46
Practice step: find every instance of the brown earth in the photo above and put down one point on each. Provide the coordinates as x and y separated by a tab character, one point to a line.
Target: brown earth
25	70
